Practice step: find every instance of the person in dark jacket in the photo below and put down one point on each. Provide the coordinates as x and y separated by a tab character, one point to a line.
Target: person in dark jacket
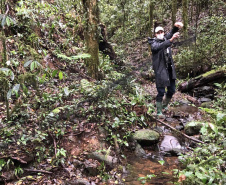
165	74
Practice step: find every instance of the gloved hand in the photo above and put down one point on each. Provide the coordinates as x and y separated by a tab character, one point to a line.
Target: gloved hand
175	36
179	24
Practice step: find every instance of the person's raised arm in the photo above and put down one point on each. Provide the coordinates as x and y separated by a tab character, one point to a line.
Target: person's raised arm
175	29
156	46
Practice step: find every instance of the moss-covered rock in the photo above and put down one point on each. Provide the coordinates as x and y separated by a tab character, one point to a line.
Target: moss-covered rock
146	136
193	128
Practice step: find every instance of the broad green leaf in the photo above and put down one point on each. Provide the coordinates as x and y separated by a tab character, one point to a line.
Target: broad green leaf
161	162
140	178
16	87
166	173
8	21
9	94
133	102
32	66
56	110
61	75
12	75
27	63
221	117
3	21
213	127
54	73
151	175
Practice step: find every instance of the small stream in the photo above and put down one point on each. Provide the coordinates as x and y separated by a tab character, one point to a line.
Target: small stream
141	167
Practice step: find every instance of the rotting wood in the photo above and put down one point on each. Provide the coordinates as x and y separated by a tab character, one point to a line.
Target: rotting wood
188	137
14	158
202	80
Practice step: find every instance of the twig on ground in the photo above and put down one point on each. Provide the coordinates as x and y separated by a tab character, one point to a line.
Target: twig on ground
177	131
54	143
37	171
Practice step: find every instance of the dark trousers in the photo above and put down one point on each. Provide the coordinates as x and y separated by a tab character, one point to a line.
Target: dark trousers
170	89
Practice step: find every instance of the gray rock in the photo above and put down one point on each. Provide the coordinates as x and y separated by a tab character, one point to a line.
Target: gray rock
77	163
139	151
184	102
193	128
205	100
91	168
179	127
170	144
146	136
107	159
3	145
78	182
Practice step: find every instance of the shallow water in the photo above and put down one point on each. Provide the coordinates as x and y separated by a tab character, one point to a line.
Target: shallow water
140	167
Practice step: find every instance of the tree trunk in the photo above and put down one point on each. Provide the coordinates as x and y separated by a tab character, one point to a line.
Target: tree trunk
151	17
91	15
2	39
201	80
174	11
185	17
192	5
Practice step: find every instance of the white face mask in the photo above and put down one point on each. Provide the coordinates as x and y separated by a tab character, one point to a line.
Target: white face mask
160	36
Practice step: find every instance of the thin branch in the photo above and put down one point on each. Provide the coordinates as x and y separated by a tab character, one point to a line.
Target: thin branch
188	137
7	9
37	171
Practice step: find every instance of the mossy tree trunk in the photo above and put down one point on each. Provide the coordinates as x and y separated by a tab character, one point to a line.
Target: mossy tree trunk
185	17
3	57
123	4
91	14
174	11
151	17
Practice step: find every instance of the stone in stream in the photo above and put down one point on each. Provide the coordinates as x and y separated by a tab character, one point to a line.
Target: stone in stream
146	137
139	151
193	128
107	159
170	145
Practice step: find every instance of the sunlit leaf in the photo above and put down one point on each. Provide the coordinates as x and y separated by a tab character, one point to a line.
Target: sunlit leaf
161	162
56	110
213	127
166	173
60	75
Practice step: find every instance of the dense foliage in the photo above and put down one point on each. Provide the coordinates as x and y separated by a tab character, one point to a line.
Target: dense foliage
47	95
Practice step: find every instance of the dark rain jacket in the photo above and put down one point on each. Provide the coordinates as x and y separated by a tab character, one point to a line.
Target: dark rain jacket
160	65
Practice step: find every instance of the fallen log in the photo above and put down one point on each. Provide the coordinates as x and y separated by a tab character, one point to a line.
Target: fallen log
206	78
